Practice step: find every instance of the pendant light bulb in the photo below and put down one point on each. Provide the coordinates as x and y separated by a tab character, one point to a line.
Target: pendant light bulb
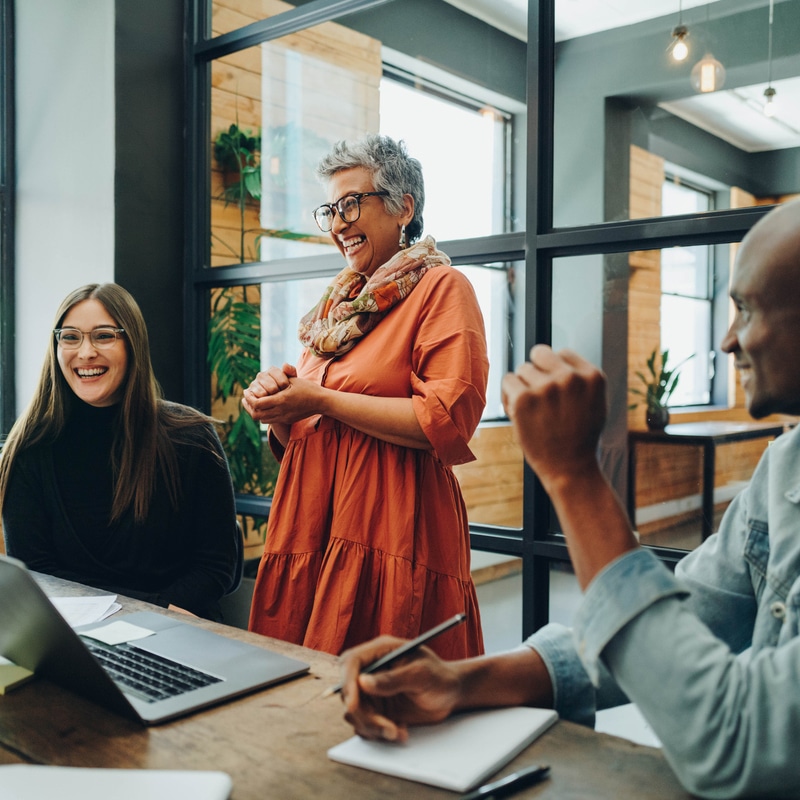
708	74
679	48
769	104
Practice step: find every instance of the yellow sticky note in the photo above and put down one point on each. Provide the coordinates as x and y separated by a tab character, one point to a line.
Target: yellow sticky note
12	676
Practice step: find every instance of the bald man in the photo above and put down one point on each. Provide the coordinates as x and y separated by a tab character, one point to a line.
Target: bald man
710	655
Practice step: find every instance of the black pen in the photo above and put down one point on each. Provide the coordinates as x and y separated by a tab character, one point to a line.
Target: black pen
412	644
511	783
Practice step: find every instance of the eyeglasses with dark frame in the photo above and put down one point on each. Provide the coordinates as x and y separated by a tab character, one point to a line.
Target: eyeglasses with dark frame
348	208
72	338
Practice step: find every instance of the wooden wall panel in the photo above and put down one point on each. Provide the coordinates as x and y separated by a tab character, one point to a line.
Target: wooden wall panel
644	286
302	93
492	485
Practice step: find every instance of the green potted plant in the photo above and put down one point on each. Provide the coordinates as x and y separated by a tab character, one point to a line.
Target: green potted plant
234	340
238	153
659	385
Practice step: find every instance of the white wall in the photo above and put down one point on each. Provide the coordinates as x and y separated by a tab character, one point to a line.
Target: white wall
65	164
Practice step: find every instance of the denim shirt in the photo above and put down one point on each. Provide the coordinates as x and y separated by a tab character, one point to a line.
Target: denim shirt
711	655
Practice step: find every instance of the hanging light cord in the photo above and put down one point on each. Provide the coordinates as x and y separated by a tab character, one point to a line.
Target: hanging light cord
769	45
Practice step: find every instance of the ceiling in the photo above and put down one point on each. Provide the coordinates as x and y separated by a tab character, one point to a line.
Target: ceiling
573	17
736	115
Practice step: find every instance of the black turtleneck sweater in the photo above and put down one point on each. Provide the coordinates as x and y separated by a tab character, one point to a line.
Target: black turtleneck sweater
58	504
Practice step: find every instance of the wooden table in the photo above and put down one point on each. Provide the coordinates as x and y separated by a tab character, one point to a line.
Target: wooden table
703	434
273	743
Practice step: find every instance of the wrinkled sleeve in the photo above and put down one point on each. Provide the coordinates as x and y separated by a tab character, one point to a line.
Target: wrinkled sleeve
575	697
621	592
728	723
719	579
581	683
450	366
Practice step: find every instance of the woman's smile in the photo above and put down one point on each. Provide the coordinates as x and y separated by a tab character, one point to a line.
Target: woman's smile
95	375
371	240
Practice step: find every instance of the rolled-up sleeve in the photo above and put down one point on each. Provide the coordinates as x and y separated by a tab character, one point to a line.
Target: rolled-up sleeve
573	692
728	722
450	366
624	589
581	683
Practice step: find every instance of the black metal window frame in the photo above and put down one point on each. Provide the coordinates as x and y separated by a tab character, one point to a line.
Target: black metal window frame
538	543
7	216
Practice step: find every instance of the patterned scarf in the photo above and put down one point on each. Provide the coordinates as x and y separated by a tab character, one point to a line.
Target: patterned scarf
353	305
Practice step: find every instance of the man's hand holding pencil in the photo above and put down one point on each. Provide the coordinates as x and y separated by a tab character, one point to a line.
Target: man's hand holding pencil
390	683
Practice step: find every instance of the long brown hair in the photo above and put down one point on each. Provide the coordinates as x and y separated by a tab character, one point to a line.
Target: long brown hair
142	442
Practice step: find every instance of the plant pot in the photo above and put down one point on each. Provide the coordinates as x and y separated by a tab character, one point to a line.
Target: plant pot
657	418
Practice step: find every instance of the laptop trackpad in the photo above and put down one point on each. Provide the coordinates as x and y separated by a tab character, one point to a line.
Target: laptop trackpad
193	646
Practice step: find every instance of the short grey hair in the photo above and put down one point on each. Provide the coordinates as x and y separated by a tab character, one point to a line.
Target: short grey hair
392	170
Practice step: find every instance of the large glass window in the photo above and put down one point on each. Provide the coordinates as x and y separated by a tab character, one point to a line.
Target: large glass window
687	281
467	191
671	306
466	168
7	189
581	270
665	496
276	109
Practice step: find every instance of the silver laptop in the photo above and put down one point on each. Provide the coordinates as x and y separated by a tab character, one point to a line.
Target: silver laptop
131	678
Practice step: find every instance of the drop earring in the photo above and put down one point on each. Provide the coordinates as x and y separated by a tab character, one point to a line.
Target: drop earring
403	237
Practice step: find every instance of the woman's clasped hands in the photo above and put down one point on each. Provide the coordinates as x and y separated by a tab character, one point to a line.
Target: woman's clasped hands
277	395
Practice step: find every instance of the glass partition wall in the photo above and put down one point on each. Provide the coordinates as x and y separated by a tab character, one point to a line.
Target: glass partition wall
556	159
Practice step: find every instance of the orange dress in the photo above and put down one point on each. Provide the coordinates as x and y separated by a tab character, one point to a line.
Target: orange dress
366	537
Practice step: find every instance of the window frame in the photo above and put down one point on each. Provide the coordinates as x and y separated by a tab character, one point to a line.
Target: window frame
7	221
538	542
708	297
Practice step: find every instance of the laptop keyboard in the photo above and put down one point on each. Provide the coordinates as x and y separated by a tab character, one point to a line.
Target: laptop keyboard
148	676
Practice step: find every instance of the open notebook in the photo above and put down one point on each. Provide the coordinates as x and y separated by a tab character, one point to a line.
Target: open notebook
457	754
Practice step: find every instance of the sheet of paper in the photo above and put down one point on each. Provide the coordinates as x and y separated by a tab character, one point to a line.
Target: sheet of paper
86	610
118	632
627	722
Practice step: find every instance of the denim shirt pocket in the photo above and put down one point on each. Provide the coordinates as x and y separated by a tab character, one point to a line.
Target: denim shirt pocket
756	553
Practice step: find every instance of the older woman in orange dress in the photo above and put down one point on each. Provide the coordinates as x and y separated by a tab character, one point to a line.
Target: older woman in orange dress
368	531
